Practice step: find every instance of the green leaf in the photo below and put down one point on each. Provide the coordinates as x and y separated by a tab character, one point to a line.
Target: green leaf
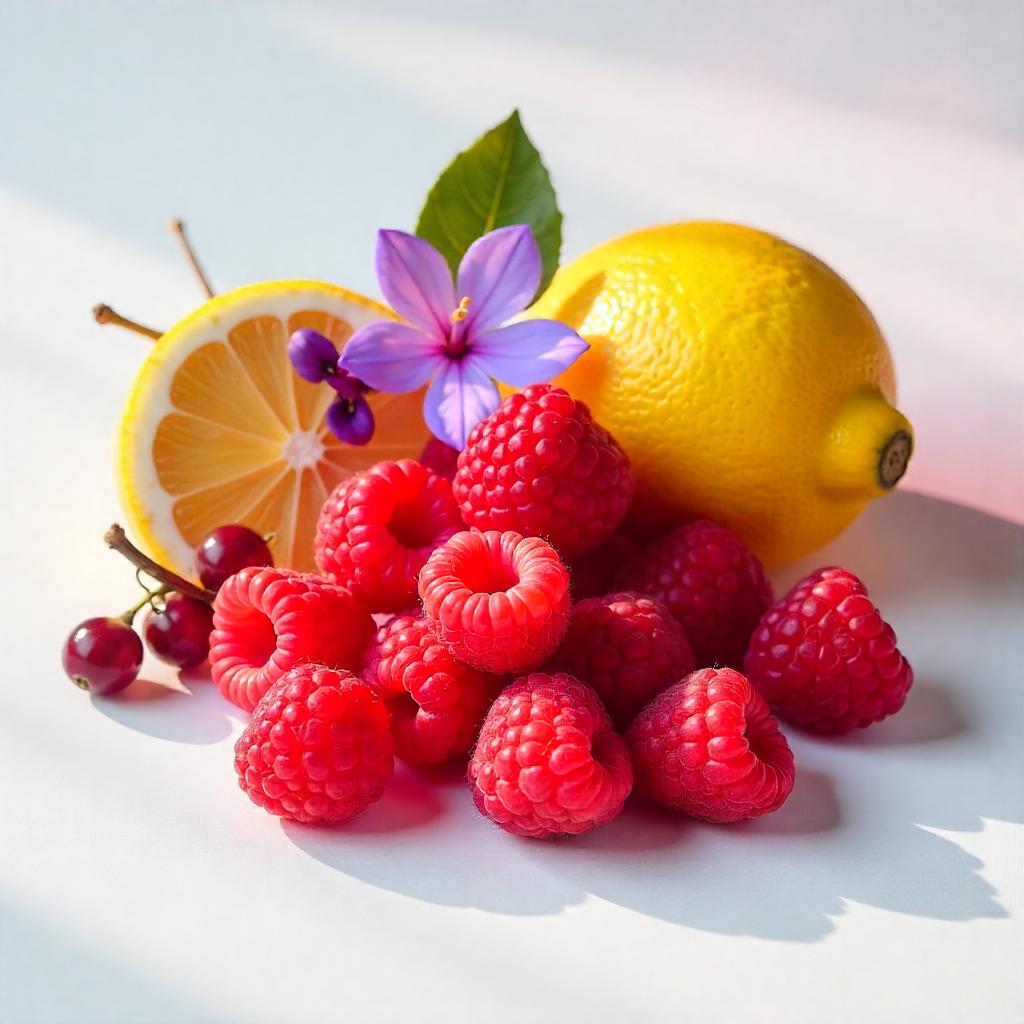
499	180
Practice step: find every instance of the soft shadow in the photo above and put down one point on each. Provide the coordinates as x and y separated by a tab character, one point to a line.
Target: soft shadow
910	544
181	713
812	808
449	856
931	714
49	974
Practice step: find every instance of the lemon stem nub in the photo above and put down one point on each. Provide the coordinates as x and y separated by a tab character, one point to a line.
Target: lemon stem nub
894	458
177	228
868	447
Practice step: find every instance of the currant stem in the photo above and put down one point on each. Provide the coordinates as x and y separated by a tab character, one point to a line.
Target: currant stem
129	616
103	314
177	228
115	538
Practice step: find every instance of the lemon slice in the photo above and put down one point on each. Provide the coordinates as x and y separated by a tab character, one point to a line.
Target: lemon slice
220	429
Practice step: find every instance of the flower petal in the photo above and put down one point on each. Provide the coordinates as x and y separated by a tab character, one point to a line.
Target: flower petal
460	396
392	357
500	273
314	357
415	280
351	422
528	352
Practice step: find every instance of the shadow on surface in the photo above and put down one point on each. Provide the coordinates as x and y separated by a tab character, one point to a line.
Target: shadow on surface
461	861
856	827
48	975
931	714
192	712
910	545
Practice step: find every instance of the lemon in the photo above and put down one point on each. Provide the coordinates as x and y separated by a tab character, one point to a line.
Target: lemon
220	429
744	377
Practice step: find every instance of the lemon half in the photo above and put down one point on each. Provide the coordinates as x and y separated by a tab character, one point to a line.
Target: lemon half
220	429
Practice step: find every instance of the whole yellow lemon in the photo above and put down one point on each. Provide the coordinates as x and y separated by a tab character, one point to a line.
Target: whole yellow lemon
744	377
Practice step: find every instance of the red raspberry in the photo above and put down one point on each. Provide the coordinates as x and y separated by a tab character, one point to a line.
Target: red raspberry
712	583
593	573
377	529
548	761
498	600
267	620
440	458
628	647
541	466
709	747
317	748
436	702
825	659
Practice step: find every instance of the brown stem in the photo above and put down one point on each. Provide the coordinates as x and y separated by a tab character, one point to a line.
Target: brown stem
115	538
103	314
177	227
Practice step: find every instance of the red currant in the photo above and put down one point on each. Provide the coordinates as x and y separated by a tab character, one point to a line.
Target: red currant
227	550
179	632
102	655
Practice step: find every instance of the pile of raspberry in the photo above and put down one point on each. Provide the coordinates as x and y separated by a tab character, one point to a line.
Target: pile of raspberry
490	607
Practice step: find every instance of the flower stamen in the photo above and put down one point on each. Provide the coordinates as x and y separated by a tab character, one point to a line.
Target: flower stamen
462	310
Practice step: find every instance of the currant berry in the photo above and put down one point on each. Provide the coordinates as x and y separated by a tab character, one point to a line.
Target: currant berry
179	632
102	655
227	550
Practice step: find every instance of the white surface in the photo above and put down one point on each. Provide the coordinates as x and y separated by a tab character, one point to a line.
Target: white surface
136	883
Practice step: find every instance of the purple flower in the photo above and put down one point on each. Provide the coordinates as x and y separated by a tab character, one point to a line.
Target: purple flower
315	359
351	420
453	335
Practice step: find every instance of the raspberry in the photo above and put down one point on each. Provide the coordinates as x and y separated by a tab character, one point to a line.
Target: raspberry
377	529
539	465
628	647
709	747
712	583
267	620
498	600
548	762
436	702
440	458
825	659
593	573
317	748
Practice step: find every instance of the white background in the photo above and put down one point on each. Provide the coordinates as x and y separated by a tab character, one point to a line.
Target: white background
136	883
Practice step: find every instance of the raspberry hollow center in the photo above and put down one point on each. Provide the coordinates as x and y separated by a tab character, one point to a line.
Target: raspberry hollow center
256	638
488	577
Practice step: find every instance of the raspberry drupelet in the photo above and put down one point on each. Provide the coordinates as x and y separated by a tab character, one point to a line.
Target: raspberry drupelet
547	761
542	467
709	747
628	647
440	458
377	528
711	582
825	659
266	621
436	703
499	601
317	748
